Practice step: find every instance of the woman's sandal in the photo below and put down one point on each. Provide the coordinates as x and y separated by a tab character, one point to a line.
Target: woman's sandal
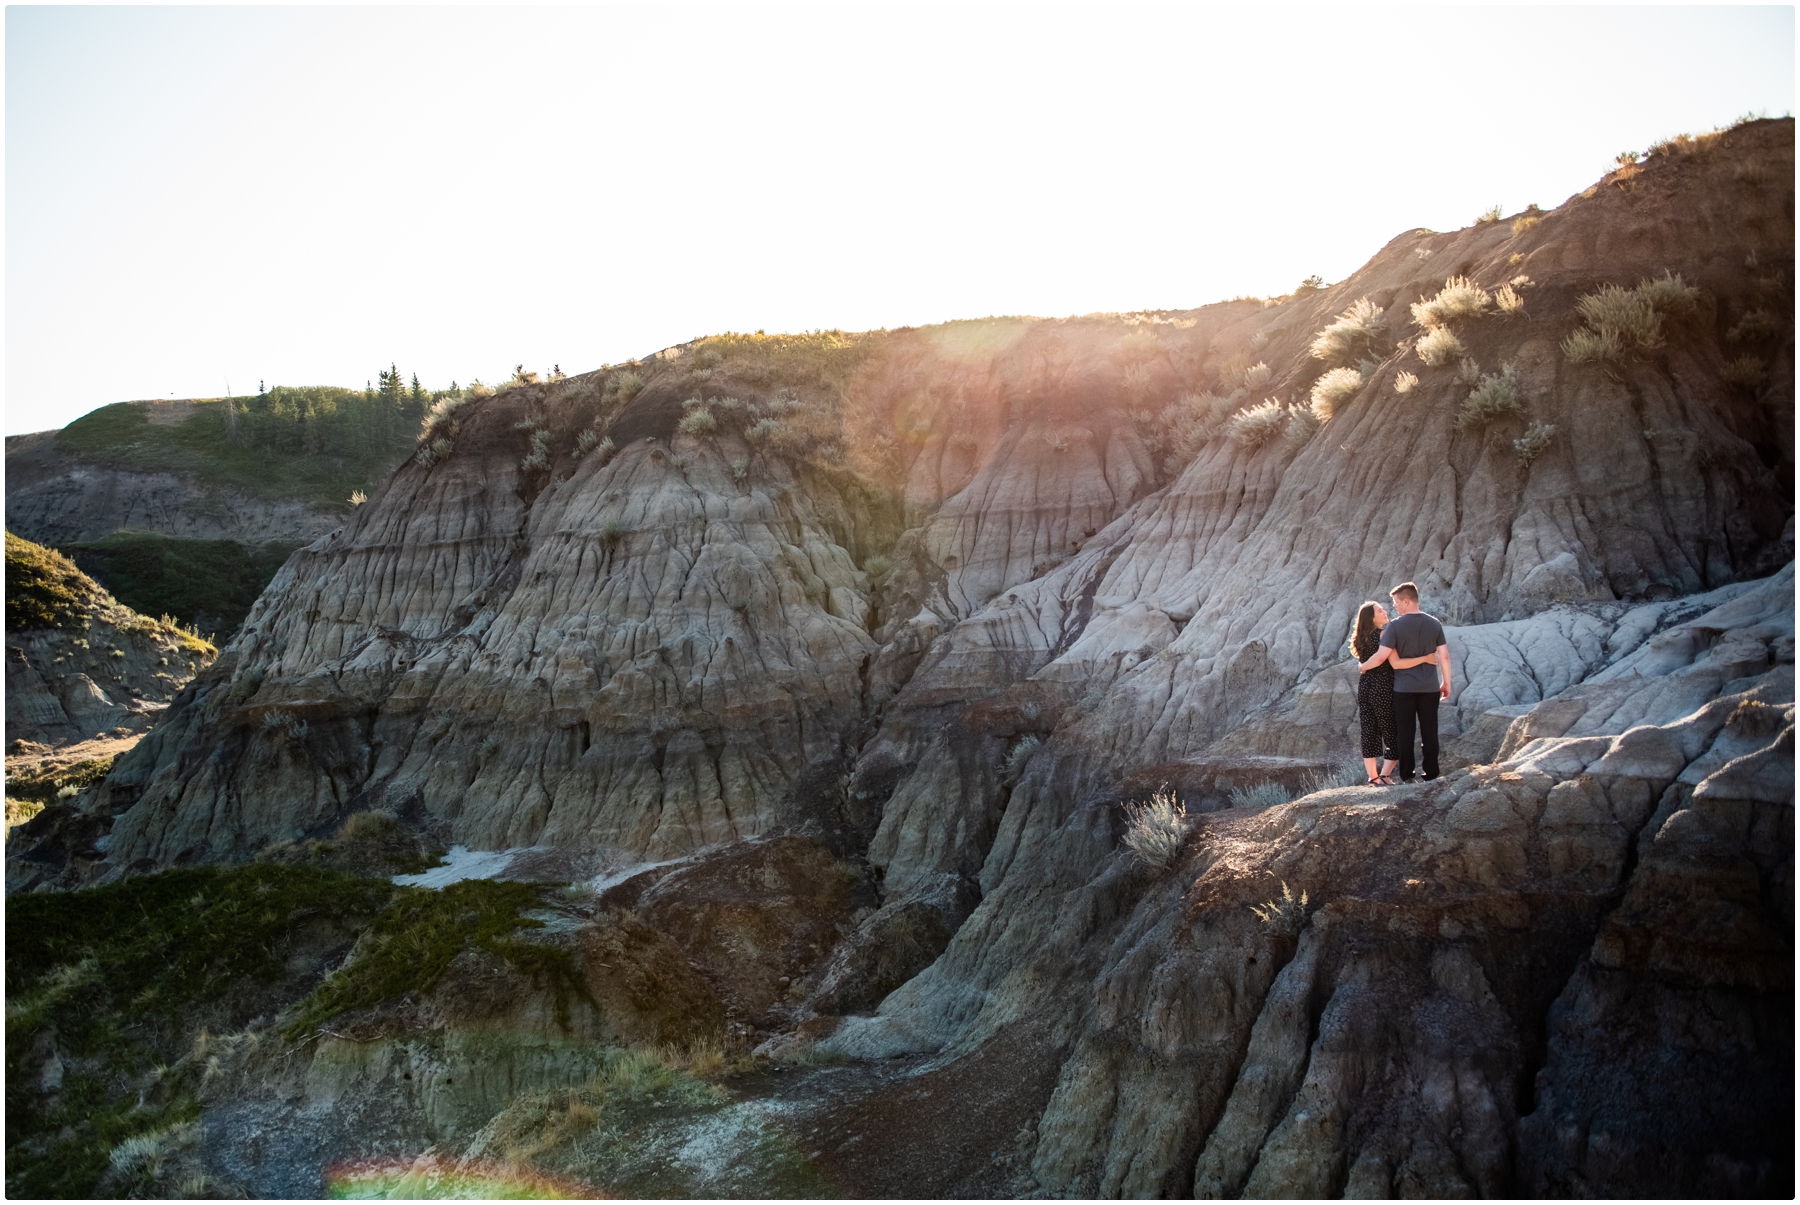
1387	780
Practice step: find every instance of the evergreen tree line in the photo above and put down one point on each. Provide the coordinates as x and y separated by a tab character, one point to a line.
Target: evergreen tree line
326	420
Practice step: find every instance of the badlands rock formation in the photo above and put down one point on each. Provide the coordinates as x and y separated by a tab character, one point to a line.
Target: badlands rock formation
943	599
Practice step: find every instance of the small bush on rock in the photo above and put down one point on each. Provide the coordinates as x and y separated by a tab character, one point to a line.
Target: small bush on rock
1495	396
1335	388
1537	437
1286	915
1303	423
1754	325
1155	831
1262	795
1621	320
1591	347
1746	371
1458	299
1439	346
1256	426
1406	382
1350	333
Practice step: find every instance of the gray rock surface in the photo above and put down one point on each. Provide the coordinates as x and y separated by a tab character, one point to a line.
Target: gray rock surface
670	650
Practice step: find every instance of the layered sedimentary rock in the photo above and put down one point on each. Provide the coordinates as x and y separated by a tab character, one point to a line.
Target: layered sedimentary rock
1615	891
944	599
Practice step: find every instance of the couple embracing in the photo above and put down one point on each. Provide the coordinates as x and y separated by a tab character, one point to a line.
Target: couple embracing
1399	690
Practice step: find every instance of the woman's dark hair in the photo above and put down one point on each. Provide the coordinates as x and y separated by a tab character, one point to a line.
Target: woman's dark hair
1365	624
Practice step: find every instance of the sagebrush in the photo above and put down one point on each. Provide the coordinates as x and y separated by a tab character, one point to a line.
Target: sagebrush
1155	831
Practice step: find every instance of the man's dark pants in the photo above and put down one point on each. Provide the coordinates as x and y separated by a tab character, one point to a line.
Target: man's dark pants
1423	708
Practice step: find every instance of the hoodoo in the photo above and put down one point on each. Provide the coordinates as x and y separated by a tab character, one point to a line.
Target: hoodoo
832	663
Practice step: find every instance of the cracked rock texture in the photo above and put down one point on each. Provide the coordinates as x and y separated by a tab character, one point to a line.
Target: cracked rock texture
943	599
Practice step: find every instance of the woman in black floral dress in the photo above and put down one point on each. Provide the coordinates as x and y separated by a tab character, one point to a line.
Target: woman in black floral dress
1375	692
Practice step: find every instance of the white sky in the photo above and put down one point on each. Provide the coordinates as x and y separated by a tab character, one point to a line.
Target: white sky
300	196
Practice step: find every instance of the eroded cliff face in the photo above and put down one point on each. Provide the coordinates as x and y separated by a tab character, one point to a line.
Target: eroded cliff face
1478	960
942	599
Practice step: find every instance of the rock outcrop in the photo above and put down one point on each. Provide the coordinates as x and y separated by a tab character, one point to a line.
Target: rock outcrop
1480	961
941	599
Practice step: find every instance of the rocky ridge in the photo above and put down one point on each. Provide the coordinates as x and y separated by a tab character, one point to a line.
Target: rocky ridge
941	600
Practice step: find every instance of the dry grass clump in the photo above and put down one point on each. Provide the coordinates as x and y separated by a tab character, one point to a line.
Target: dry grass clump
1746	371
1334	389
1683	144
1754	325
1508	300
1669	294
1192	420
1262	795
1349	333
699	422
1439	346
1525	221
1254	427
623	386
1490	214
1591	347
1303	423
1495	396
1406	382
1155	831
1537	437
1258	375
435	451
1620	321
1286	915
438	418
1459	298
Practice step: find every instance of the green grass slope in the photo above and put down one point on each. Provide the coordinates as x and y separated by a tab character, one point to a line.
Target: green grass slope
315	444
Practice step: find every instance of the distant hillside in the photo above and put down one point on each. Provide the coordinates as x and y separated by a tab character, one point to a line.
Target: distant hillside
188	507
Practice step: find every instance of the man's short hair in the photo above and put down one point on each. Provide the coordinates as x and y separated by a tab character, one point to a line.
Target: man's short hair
1405	590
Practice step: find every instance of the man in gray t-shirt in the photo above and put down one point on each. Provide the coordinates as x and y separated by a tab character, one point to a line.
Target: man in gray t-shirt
1412	633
